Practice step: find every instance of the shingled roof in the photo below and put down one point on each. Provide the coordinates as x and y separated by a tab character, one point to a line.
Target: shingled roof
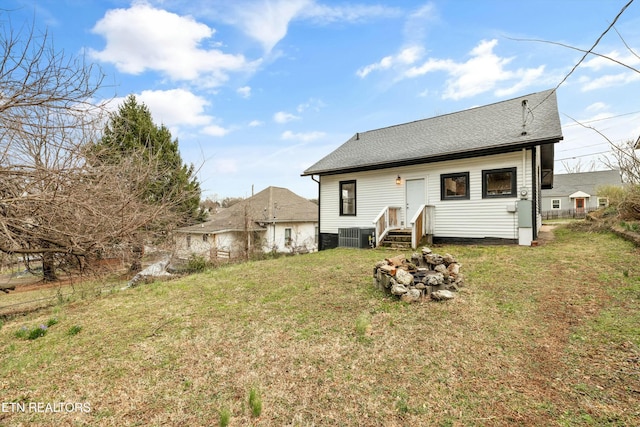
273	204
504	126
587	182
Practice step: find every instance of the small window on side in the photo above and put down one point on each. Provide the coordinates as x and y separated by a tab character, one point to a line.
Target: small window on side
287	237
347	198
555	203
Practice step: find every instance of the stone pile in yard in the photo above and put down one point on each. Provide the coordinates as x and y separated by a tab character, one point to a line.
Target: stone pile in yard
425	275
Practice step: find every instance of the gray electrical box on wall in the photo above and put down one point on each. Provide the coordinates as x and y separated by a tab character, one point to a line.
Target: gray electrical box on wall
524	214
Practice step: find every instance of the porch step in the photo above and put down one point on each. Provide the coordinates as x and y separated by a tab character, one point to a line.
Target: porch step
398	239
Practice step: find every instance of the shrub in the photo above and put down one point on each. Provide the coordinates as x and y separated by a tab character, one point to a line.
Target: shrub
32	334
197	264
614	193
38	332
629	207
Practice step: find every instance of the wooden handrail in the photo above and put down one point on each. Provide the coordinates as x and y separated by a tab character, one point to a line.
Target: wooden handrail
386	220
421	224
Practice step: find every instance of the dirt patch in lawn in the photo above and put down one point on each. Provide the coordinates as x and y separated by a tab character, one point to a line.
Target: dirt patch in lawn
546	233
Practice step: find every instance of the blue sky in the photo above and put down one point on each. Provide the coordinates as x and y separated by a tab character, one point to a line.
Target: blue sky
256	91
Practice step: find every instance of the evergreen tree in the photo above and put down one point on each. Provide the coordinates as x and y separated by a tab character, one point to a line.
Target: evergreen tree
131	131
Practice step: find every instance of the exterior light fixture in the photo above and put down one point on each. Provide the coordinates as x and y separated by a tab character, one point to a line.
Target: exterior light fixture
398	180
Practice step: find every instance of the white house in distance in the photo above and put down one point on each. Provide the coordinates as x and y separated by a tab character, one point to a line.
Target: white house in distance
469	176
575	194
275	219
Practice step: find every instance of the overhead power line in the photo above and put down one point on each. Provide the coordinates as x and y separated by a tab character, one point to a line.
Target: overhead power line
582	155
586	53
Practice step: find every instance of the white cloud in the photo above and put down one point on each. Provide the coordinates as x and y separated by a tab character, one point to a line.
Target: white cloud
267	21
176	107
597	106
244	91
599	62
524	78
144	38
255	123
480	73
324	14
405	57
283	117
303	136
608	80
312	104
215	130
418	23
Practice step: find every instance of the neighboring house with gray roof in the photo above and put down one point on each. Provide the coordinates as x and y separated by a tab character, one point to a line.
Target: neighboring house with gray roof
575	194
275	219
472	175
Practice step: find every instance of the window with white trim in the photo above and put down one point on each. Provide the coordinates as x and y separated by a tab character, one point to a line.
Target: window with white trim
287	237
555	203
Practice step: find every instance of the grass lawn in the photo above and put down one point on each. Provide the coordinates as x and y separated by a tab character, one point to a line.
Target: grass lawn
546	335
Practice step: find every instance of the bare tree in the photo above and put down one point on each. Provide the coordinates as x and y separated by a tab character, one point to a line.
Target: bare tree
579	167
626	158
58	204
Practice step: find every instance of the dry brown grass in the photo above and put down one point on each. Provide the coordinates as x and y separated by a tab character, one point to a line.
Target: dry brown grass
539	336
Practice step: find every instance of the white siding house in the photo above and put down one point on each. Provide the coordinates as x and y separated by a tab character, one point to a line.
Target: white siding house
274	219
476	175
575	194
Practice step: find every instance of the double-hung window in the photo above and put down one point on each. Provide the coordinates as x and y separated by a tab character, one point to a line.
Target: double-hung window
287	237
347	198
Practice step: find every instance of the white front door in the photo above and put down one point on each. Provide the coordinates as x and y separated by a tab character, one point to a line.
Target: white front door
415	195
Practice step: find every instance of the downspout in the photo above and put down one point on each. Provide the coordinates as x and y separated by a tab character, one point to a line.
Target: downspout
319	240
524	167
272	218
534	191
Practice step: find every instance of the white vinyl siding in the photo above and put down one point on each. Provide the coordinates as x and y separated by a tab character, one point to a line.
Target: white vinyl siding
473	218
302	237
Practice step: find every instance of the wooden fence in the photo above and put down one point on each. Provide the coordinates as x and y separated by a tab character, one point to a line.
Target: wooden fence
566	213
